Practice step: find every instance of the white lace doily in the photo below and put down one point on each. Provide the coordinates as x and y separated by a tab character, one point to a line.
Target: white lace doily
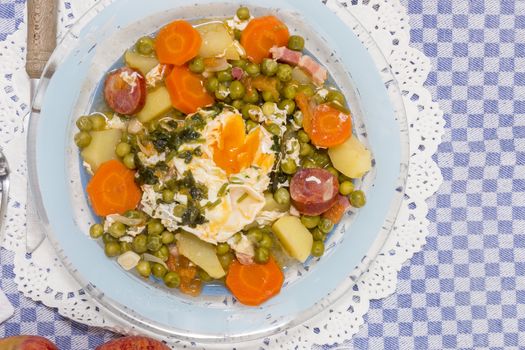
41	276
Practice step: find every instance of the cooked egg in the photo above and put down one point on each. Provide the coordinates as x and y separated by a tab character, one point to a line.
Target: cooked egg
234	167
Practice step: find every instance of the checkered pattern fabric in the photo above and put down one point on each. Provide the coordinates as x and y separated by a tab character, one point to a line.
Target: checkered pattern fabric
466	289
11	15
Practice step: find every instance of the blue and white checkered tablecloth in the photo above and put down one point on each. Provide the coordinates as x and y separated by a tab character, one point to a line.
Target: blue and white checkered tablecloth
466	289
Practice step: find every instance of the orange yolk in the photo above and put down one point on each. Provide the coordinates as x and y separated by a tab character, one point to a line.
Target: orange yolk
235	150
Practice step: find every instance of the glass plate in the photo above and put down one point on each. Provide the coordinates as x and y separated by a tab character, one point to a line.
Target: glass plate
68	89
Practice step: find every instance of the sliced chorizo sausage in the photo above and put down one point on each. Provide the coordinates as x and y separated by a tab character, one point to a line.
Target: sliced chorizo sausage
313	191
125	91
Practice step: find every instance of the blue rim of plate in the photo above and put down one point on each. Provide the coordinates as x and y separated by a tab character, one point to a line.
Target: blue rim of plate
48	140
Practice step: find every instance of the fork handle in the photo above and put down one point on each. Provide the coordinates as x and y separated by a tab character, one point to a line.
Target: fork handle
41	35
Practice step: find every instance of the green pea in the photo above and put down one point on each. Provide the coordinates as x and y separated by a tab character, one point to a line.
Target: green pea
145	45
296	43
112	249
289	92
303	136
333	171
298	118
197	65
336	96
253	69
82	139
125	247
167	237
237	33
266	241
158	187
307	163
308	90
306	149
321	158
268	108
269	67
325	225
243	13
133	214
129	161
343	178
122	149
357	199
222	92
273	129
268	96
158	270
84	124
255	234
153	243
262	255
223	248
144	268
98	122
251	112
346	187
179	210
155	227
204	276
289	167
284	73
106	238
237	90
225	76
288	106
96	231
212	84
250	125
318	235
117	229
282	196
238	104
251	96
226	260
317	249
241	63
172	279
139	244
310	221
163	253
168	196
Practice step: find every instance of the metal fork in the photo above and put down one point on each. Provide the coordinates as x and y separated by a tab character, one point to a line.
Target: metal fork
4	189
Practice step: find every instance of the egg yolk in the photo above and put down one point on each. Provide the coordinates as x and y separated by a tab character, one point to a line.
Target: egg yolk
235	150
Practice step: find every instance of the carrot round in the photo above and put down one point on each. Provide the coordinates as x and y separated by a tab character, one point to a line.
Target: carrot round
261	34
330	126
112	190
187	90
254	284
177	43
304	105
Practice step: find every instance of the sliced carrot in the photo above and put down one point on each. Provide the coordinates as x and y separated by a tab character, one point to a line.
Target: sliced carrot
261	34
304	105
112	190
187	90
330	126
254	284
264	83
177	43
336	212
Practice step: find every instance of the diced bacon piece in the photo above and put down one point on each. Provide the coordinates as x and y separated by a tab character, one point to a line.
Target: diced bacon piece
318	73
284	54
237	73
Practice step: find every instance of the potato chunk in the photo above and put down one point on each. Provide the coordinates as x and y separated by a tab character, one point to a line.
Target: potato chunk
200	253
102	147
158	103
217	41
143	63
351	158
295	238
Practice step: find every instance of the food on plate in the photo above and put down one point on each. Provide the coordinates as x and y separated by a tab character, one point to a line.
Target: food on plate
221	154
26	342
133	343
